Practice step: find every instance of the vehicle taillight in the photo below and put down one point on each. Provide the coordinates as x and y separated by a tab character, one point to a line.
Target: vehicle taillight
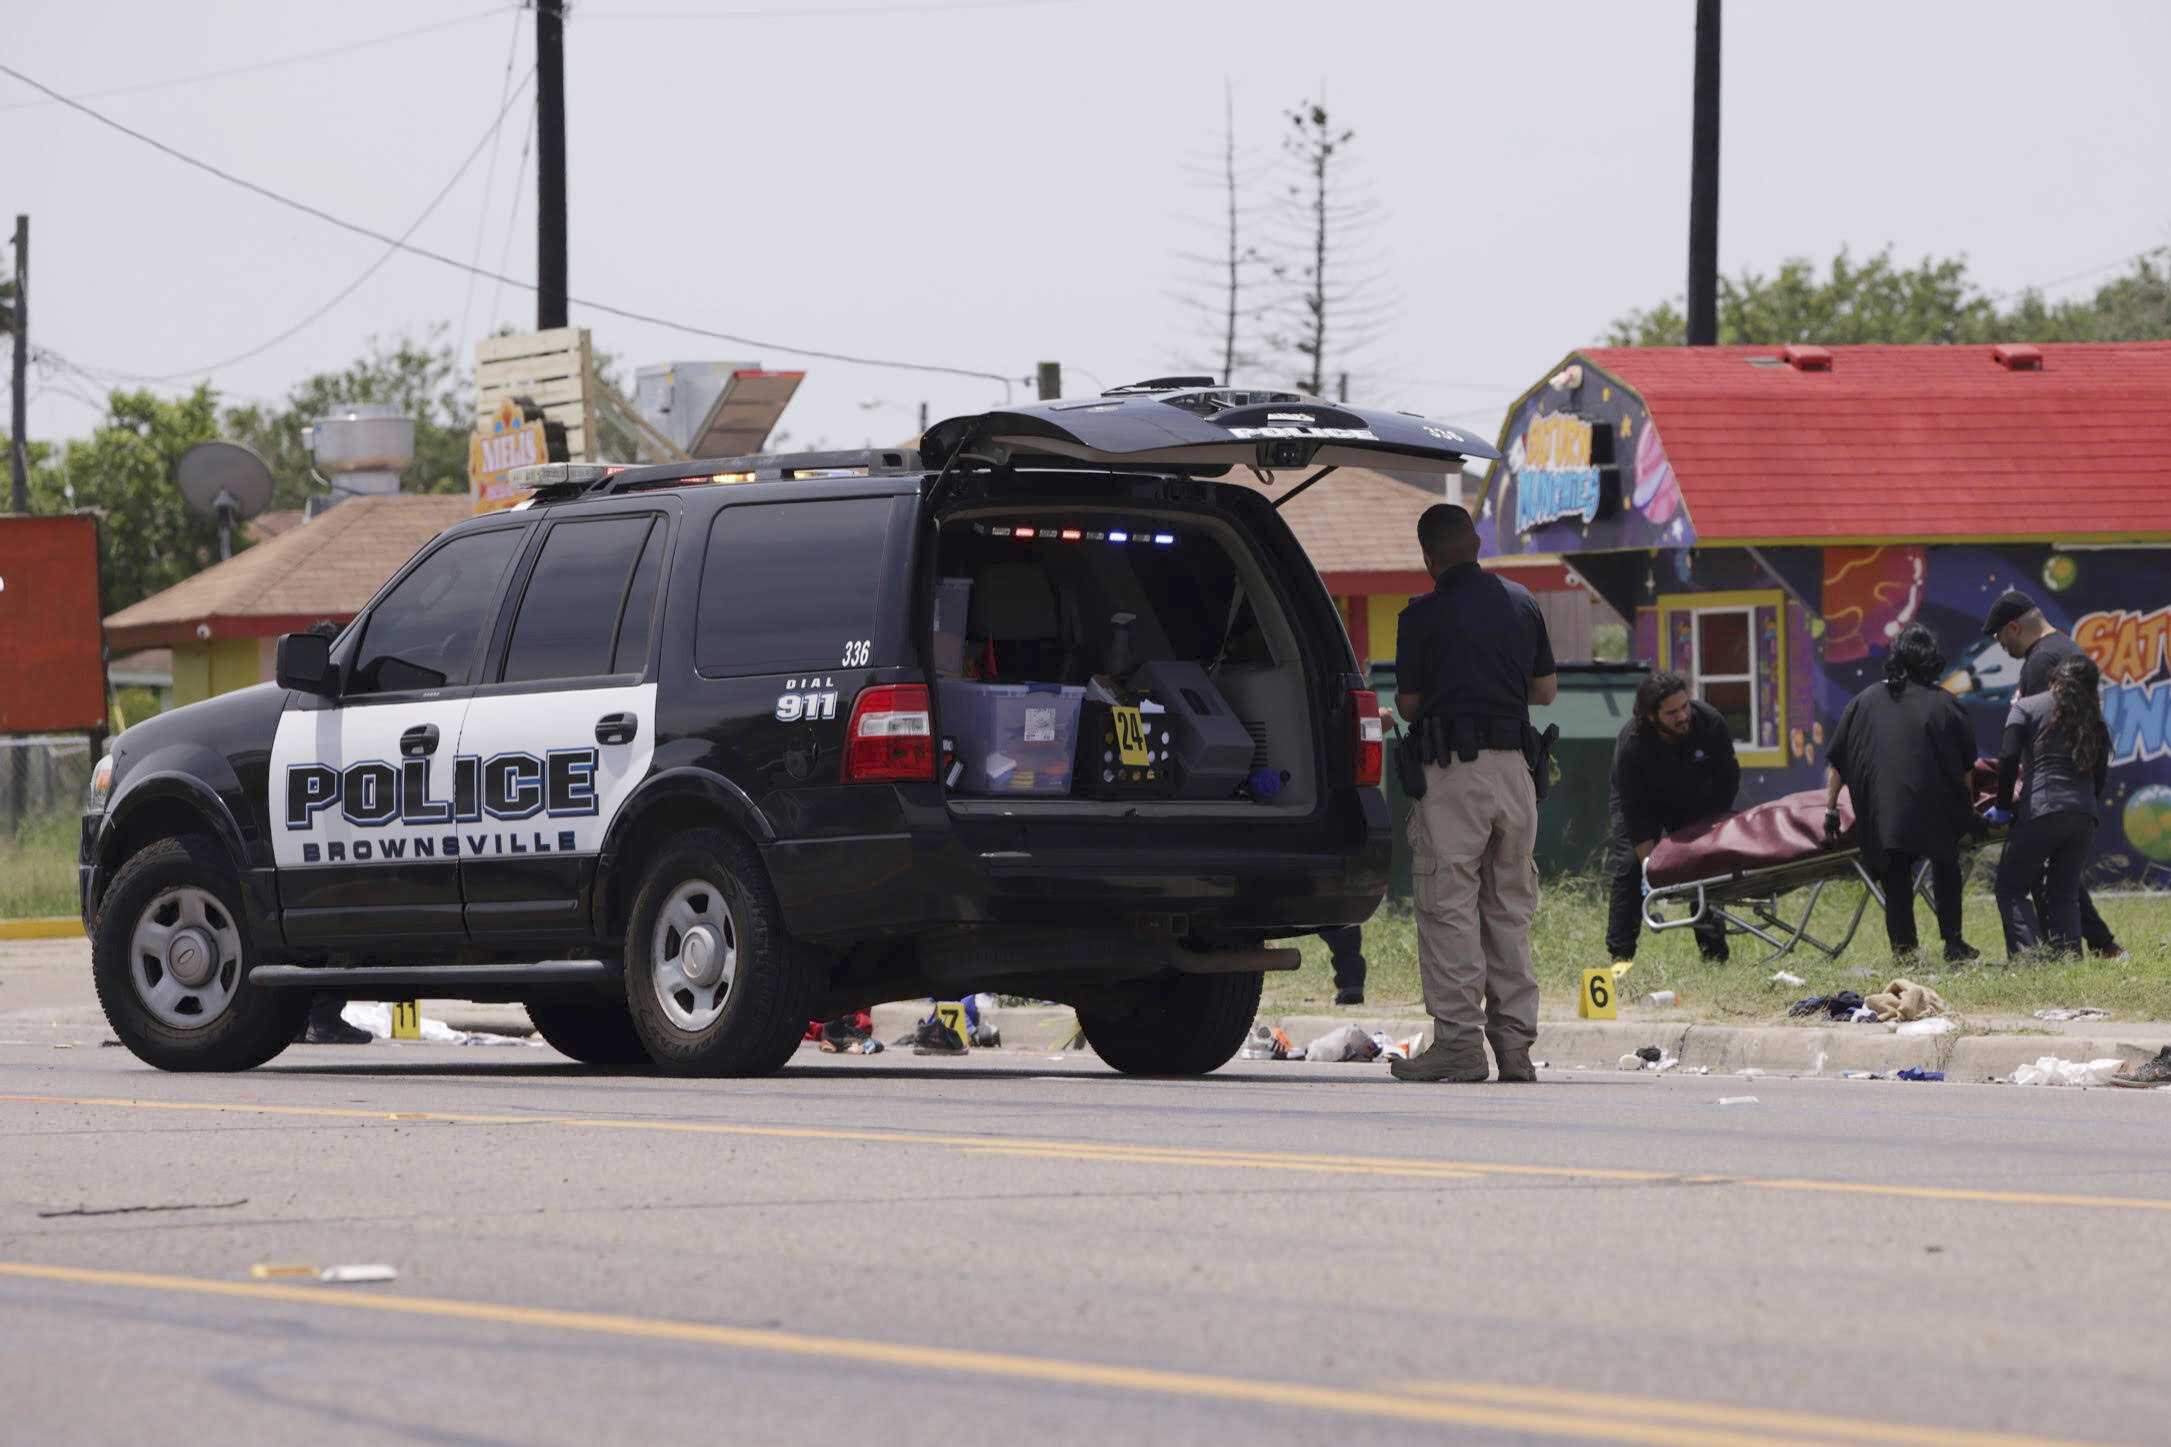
1368	736
890	736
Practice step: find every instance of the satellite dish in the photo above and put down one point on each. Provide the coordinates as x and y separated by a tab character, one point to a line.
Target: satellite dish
223	480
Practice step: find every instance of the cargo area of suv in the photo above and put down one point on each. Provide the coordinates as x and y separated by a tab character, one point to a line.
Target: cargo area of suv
1116	661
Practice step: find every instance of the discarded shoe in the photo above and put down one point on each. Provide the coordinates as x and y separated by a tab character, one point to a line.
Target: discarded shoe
935	1038
1444	1064
325	1027
2150	1073
1349	995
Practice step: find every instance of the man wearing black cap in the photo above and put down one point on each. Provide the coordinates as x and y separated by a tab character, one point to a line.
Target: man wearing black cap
2021	630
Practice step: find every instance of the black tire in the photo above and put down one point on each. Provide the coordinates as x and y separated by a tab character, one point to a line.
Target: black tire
1185	1025
764	1011
594	1034
254	1024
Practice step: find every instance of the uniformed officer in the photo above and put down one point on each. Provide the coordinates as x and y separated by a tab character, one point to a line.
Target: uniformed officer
1471	657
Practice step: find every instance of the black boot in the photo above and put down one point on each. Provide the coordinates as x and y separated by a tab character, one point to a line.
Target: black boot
326	1028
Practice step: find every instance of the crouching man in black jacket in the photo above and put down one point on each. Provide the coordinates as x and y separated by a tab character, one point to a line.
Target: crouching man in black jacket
1674	764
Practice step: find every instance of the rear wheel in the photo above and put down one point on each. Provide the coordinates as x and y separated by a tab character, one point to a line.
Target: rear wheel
170	956
714	986
594	1034
1185	1025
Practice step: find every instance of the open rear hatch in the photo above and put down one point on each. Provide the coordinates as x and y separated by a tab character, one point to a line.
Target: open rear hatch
1104	651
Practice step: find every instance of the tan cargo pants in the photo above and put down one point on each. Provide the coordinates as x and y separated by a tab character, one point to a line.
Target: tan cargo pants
1476	887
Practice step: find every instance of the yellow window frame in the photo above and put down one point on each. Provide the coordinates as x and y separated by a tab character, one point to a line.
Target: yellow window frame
1751	599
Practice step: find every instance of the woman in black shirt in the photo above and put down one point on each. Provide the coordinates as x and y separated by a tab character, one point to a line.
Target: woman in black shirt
2061	737
1903	748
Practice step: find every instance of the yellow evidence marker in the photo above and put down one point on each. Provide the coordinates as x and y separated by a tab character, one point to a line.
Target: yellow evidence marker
1130	737
952	1014
406	1019
1594	1000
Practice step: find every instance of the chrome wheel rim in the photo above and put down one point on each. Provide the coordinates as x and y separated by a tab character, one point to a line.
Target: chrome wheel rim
693	955
184	958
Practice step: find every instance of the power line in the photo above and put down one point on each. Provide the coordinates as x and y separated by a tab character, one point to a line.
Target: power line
272	63
367	272
824	12
439	257
2080	275
489	184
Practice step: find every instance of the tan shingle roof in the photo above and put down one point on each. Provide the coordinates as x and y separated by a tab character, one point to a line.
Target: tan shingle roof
324	569
1356	520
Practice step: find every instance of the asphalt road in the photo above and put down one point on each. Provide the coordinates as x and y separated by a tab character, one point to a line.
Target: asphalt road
1025	1248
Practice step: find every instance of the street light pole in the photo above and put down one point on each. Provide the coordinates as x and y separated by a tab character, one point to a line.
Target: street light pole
19	409
550	164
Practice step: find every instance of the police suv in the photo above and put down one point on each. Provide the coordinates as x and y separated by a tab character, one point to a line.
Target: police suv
683	756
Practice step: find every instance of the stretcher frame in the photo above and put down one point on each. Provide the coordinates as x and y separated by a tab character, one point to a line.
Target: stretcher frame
1752	901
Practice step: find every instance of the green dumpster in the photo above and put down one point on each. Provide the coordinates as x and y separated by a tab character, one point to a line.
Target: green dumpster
1595	700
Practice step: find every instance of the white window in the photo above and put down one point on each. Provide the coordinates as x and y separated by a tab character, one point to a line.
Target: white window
1724	673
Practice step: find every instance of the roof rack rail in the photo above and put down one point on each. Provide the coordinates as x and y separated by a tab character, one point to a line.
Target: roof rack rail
568	481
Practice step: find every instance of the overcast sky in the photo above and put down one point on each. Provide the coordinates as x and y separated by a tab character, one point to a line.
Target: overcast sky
985	185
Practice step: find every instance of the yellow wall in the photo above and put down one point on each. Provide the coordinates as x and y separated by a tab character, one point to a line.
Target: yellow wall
219	666
1384	611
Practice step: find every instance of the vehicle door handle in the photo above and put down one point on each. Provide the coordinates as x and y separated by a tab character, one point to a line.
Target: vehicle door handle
616	728
419	742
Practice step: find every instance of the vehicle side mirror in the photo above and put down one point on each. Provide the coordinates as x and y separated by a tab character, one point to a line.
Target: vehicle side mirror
305	662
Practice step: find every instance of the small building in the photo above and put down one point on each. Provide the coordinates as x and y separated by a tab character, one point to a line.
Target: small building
223	623
1770	518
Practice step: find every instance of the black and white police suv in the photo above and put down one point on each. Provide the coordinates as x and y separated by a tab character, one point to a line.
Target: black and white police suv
683	756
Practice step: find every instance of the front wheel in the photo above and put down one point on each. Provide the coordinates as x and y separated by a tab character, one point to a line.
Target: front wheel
1184	1025
170	957
713	983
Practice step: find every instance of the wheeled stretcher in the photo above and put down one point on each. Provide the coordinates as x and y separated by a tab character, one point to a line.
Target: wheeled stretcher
1763	870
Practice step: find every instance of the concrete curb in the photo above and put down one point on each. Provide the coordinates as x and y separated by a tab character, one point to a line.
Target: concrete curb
43	927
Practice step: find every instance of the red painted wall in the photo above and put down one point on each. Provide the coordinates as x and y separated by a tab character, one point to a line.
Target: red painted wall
52	649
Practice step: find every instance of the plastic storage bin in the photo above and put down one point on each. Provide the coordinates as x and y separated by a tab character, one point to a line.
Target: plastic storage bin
1011	738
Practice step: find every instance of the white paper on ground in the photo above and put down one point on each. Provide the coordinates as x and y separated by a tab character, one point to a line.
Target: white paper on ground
1938	1025
2050	1070
375	1016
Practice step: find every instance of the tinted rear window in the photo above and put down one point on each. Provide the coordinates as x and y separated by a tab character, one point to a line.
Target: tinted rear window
791	585
570	613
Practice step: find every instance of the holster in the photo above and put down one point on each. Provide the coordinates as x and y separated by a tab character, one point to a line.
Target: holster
1410	763
1538	752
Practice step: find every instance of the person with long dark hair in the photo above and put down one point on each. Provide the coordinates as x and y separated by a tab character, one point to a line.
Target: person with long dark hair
2058	749
1672	765
1904	750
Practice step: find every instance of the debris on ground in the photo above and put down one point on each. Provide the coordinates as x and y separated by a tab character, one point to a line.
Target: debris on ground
1906	1000
2051	1070
282	1271
1650	1054
1940	1025
1661	998
2084	1012
1748	1072
354	1275
375	1016
1840	1006
1267	1042
1792	982
1737	1100
138	1210
1915	1073
1344	1043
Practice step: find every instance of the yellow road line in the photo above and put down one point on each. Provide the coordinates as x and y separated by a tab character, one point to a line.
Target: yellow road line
1120	1153
1713	1414
1591	1424
55	927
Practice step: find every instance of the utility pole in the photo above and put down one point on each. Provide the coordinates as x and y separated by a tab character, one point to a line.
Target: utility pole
1703	300
550	164
19	409
1051	380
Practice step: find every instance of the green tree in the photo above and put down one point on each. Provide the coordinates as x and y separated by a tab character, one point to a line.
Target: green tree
421	377
148	538
1933	301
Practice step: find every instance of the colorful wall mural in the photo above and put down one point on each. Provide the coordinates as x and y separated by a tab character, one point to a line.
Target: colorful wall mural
1583	468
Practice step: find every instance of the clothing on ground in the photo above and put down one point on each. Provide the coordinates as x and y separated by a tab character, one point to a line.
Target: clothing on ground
1906	761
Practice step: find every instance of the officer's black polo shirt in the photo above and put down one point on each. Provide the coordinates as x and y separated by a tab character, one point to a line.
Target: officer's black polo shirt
1471	646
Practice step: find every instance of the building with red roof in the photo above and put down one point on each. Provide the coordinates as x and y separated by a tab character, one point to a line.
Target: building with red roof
1771	517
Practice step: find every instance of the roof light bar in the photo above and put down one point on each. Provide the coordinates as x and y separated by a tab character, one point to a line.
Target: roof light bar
559	474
